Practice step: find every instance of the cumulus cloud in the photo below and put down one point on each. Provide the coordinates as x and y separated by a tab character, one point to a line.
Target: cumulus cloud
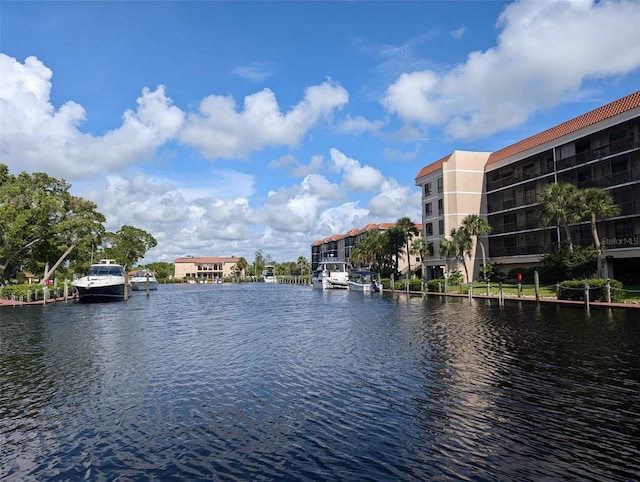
395	201
355	176
219	130
546	51
35	136
297	208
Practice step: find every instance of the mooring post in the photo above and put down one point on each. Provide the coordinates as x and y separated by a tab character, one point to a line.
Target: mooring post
470	291
586	296
536	283
608	290
500	294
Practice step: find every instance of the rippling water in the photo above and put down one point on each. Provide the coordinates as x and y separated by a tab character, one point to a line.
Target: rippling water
263	382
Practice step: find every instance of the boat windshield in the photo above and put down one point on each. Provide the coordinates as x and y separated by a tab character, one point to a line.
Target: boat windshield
106	271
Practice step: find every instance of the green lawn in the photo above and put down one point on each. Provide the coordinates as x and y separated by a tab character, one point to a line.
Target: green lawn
631	294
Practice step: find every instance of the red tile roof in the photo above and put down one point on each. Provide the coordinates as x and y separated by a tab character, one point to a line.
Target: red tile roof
598	115
434	166
355	231
207	259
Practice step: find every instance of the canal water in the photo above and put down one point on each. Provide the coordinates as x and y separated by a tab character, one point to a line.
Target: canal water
274	382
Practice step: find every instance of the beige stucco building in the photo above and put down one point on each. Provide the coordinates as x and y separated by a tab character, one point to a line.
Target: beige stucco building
598	149
451	189
207	269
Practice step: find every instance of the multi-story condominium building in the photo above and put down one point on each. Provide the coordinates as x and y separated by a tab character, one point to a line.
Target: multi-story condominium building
340	246
598	149
451	188
206	269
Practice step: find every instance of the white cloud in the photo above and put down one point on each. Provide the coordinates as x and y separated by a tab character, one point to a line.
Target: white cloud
296	167
458	33
255	72
359	125
395	201
355	176
218	130
37	137
546	51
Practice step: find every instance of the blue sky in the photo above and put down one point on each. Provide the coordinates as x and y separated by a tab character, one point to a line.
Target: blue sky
226	127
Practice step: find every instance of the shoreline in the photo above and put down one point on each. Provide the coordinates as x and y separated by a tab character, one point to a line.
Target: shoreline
510	298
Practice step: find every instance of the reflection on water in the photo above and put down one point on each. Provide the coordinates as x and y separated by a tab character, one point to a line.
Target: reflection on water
264	381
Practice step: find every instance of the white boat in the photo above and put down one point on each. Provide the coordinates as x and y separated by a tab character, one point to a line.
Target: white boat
105	282
268	275
331	274
142	278
365	281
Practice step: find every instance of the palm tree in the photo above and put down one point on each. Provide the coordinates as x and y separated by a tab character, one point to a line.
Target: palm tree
409	230
303	264
447	251
597	204
422	248
396	243
462	244
477	226
560	204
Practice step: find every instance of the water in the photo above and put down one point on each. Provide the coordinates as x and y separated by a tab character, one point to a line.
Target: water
274	382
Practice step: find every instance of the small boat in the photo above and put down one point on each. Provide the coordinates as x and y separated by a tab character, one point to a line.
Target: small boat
331	274
365	281
142	280
268	275
104	282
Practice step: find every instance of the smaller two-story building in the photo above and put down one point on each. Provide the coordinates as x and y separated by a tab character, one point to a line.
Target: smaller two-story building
207	269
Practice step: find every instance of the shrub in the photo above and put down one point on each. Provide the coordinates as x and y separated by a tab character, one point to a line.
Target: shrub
561	264
574	290
435	285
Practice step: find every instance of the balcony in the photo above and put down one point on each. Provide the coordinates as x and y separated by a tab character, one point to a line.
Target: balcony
609	150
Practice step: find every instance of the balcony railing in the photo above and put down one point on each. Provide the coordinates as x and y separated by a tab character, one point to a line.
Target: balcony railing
614	148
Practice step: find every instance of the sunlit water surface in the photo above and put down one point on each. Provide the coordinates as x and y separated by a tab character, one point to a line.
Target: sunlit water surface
263	382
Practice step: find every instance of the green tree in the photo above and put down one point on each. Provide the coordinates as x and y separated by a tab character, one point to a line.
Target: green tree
422	248
41	222
242	264
162	269
461	245
476	226
408	230
395	240
597	204
127	245
303	265
560	204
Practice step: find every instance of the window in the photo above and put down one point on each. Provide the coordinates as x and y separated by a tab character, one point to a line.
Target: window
440	185
624	228
584	174
619	165
427	189
530	194
441	227
427	209
428	229
440	207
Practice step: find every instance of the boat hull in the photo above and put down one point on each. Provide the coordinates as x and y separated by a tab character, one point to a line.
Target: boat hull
363	287
141	285
100	294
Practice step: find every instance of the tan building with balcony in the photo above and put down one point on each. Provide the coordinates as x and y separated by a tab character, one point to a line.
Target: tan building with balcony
340	246
451	189
598	149
207	269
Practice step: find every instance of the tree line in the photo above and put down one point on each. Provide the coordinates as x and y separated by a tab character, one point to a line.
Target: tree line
44	228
